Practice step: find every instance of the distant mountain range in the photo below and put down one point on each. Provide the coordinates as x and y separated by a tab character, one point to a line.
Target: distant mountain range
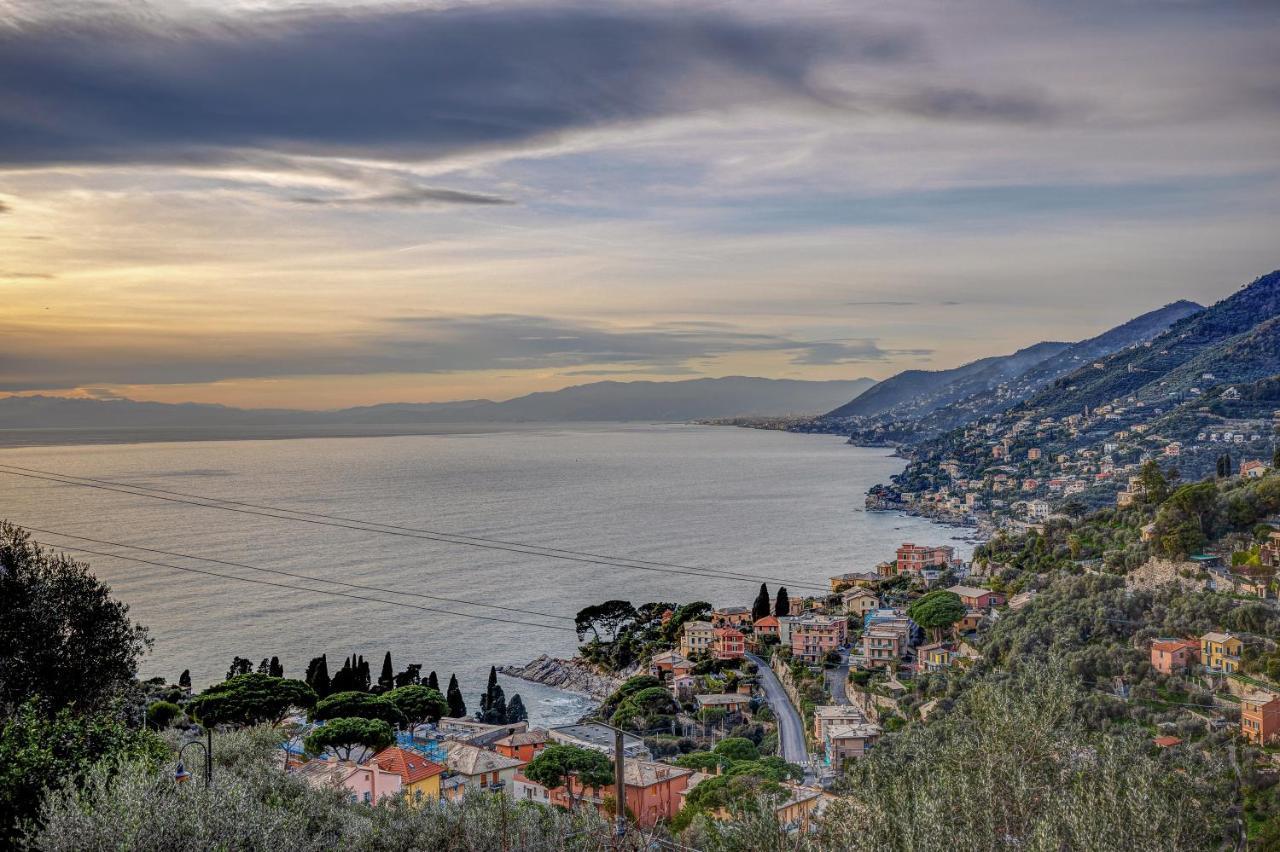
609	401
918	404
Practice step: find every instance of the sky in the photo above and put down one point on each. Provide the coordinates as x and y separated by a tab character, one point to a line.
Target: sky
315	205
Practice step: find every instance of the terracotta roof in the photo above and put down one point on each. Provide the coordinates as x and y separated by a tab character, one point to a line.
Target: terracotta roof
767	621
472	760
1167	742
969	591
409	765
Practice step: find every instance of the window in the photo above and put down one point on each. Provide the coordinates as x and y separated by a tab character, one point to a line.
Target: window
368	797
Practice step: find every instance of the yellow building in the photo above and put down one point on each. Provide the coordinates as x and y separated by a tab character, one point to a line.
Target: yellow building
697	638
419	777
1220	652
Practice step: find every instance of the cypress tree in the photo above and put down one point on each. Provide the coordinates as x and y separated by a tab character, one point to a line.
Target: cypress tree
1275	458
760	608
386	680
516	711
457	707
433	681
264	667
276	670
184	679
318	675
782	606
362	677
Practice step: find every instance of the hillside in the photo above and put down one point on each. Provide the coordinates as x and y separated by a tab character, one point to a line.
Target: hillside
598	401
919	391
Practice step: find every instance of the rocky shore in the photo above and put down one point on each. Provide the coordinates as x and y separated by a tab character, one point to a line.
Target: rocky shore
570	675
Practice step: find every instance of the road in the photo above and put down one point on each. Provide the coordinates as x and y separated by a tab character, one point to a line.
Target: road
837	678
790	725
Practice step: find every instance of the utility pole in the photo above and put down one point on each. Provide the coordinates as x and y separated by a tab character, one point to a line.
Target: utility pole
619	786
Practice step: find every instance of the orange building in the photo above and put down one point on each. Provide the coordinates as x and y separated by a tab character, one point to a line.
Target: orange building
652	792
1260	717
522	745
1170	656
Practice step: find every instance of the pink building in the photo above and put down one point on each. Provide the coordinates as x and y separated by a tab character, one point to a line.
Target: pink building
1173	655
914	558
812	638
366	783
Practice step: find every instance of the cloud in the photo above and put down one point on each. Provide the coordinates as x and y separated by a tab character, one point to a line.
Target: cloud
408	197
4	206
968	104
26	276
391	83
32	359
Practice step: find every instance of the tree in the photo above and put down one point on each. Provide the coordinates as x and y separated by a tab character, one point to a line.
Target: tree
410	676
937	611
264	667
162	714
493	704
760	608
41	752
276	669
360	705
344	736
645	710
433	681
251	699
240	666
457	707
387	679
318	675
736	749
560	765
609	617
782	606
1224	465
184	679
1275	458
516	711
418	704
1154	485
62	636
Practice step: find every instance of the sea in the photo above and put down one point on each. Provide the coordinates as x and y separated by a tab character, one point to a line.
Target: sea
700	512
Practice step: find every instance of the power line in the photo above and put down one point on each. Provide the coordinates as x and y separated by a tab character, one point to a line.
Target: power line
304	588
295	575
359	525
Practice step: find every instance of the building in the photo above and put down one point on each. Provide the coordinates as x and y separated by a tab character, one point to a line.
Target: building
827	716
1174	656
477	733
669	665
1260	717
653	792
1270	550
1220	652
976	598
368	783
1033	454
914	558
599	738
1037	510
731	616
935	657
859	601
813	637
482	769
523	745
1253	469
854	578
733	703
885	638
842	743
729	644
698	638
801	806
419	777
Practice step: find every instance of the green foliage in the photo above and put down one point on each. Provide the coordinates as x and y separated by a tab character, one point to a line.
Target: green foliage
360	705
162	714
645	710
736	749
418	704
607	618
39	751
936	610
629	687
457	707
760	607
555	765
703	761
251	699
344	736
62	636
782	604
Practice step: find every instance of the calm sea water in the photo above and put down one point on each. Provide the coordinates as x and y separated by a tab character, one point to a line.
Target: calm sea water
753	502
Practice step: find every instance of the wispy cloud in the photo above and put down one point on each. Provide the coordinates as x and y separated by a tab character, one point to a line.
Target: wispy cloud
412	344
408	197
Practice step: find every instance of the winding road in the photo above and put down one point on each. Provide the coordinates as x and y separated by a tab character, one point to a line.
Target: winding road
790	725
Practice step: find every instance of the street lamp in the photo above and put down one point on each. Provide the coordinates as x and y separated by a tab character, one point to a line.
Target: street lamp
180	773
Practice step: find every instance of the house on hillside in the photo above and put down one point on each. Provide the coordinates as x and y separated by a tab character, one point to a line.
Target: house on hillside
368	783
419	777
1260	717
1174	656
858	601
1253	469
1220	652
523	745
652	792
481	768
698	637
729	644
731	616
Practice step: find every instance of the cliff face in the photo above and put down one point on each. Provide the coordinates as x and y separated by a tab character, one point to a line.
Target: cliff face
570	675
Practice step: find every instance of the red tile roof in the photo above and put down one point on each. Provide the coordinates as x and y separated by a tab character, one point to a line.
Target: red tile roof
1168	742
411	766
767	621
